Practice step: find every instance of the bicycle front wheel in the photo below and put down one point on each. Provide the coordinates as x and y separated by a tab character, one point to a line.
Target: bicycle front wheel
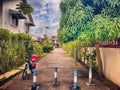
25	75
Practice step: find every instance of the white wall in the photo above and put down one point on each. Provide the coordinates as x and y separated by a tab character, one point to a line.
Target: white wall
34	37
22	26
111	63
1	13
0	19
11	4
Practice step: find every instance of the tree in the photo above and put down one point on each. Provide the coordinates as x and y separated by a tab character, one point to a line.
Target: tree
89	20
100	29
25	8
74	17
46	39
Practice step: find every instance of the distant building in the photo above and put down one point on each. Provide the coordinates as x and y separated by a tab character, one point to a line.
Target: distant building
13	20
35	38
41	39
54	40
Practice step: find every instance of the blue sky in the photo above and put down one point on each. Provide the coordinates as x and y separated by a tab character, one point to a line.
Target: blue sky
46	14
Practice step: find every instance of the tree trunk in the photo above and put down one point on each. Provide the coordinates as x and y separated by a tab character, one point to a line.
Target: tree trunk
85	49
100	68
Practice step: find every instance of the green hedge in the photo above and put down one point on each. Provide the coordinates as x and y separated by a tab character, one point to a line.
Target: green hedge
85	55
47	48
15	49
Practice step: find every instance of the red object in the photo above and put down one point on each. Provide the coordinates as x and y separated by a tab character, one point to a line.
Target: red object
34	57
33	65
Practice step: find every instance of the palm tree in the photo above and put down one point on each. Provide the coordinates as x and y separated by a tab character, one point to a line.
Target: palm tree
25	9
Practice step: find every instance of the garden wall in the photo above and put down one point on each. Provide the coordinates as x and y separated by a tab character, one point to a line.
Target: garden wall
111	63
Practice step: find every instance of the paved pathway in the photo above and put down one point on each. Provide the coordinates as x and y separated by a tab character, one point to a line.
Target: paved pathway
45	75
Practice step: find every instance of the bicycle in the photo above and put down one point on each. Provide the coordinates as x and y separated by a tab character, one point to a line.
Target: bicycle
29	66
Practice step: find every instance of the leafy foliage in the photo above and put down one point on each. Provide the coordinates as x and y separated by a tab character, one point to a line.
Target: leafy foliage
89	20
47	48
47	45
73	20
4	34
24	8
15	49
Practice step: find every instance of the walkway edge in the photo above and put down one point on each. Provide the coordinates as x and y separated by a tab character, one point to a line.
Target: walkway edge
10	74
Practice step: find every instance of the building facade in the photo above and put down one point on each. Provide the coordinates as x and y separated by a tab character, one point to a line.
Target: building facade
13	20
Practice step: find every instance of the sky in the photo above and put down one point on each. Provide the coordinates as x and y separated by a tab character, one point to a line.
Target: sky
46	14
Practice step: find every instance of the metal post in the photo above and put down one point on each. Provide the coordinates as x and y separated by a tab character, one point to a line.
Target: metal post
90	76
56	82
55	75
75	85
75	79
75	55
34	85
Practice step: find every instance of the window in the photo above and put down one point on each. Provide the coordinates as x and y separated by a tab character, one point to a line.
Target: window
14	20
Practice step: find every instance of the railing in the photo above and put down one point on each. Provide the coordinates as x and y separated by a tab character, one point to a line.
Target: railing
109	44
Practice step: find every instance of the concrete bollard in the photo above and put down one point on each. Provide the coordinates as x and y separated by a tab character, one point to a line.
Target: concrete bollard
55	83
90	76
75	85
34	85
75	79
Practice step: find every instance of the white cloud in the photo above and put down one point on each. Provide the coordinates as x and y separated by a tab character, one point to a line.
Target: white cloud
47	14
43	12
55	24
55	1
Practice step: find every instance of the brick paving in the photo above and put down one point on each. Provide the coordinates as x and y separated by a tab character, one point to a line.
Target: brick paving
45	75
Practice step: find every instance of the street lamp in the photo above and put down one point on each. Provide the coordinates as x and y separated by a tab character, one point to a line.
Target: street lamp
46	30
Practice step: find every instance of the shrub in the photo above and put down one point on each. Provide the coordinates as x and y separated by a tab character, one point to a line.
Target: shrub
47	48
37	48
15	49
85	56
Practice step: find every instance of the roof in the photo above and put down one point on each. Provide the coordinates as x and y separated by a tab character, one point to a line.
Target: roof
31	20
16	13
29	23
